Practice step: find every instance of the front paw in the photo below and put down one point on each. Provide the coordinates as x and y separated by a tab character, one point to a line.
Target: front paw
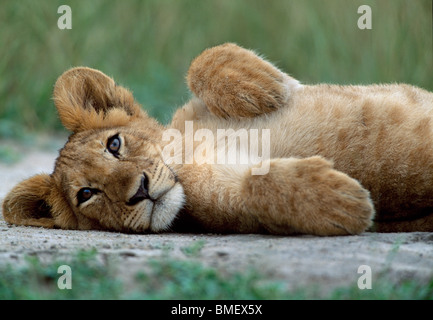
338	203
308	196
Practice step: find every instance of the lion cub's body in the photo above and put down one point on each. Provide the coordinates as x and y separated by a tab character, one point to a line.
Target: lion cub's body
380	135
340	156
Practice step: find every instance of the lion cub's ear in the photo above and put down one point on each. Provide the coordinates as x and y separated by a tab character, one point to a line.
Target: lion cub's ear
87	99
34	202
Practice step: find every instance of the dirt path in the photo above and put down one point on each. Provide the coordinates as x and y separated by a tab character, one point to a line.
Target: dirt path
297	261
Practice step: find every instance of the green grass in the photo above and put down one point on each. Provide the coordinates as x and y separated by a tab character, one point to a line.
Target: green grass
164	278
147	46
384	290
8	155
167	278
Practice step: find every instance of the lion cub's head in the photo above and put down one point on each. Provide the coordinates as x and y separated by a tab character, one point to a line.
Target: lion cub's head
110	174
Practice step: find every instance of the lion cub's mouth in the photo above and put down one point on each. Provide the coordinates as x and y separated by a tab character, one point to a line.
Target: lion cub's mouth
158	210
165	208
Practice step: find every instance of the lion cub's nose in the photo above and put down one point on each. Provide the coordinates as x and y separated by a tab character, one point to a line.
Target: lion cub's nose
142	192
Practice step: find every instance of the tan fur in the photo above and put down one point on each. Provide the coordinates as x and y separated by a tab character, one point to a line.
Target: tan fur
340	156
228	90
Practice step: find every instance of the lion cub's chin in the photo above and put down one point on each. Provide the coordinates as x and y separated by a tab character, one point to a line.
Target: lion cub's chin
166	208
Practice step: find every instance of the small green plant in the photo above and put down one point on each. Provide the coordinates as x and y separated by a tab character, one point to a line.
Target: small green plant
194	249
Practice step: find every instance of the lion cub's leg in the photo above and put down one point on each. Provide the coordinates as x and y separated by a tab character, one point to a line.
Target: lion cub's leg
234	82
307	196
194	110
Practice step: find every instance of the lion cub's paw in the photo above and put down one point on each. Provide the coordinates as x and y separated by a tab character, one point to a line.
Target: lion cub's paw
309	196
235	82
342	205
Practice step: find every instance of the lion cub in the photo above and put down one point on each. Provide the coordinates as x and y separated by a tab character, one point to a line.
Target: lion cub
303	159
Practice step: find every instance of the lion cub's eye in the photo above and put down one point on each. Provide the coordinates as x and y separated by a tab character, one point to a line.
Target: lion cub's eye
113	145
85	194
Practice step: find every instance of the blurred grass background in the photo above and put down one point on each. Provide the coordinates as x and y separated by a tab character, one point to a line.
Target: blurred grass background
147	45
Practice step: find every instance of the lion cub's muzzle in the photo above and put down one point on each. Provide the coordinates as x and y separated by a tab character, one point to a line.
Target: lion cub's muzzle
142	192
154	203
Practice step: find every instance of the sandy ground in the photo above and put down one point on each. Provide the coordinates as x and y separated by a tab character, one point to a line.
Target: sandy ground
296	261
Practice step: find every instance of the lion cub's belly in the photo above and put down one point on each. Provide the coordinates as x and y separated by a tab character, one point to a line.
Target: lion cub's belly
381	138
